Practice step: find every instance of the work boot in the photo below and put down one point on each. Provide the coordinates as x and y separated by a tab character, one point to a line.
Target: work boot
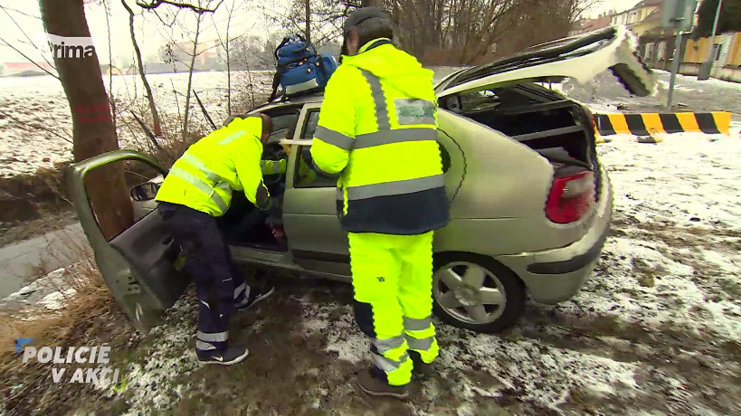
379	388
256	295
421	369
232	355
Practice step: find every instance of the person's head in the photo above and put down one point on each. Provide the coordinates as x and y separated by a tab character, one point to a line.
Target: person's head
364	25
267	127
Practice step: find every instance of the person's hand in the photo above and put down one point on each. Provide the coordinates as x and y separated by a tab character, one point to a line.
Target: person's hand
277	233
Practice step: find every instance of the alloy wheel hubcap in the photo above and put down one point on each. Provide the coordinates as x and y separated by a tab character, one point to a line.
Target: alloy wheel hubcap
469	292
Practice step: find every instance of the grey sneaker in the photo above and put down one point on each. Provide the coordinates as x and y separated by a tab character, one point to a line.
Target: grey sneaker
232	355
256	295
378	388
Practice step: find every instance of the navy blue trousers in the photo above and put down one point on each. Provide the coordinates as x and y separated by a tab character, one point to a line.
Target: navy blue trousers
219	284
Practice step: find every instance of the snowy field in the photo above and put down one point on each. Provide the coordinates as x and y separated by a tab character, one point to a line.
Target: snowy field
36	128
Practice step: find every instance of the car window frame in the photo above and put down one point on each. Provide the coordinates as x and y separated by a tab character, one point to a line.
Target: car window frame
310	111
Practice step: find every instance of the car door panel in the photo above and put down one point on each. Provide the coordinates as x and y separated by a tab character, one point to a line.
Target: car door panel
314	233
138	265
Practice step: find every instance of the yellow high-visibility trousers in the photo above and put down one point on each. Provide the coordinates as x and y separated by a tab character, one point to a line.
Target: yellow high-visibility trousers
392	279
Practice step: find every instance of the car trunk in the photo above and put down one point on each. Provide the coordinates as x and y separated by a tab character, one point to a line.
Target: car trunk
559	129
505	95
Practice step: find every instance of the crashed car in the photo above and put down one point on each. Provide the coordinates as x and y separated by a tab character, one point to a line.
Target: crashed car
530	203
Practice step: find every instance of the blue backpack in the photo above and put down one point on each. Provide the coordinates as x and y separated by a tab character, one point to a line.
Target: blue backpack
300	69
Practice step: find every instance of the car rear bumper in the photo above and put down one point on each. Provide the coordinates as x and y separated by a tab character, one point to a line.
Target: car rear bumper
557	274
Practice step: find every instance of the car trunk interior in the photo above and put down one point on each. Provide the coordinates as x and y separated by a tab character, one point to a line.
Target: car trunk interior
558	129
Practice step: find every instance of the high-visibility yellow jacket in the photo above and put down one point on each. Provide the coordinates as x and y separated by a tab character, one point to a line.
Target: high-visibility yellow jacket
225	160
377	129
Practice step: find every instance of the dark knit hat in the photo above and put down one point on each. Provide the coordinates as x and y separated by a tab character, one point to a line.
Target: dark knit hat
361	15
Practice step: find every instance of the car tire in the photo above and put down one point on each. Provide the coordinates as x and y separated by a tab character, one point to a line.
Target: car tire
476	292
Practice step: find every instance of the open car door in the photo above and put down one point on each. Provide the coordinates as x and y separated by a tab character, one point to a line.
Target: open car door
581	58
138	265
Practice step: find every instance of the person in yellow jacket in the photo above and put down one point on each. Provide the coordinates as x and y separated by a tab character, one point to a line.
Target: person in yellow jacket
377	131
199	188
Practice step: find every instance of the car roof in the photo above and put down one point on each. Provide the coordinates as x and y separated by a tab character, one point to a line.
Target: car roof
316	97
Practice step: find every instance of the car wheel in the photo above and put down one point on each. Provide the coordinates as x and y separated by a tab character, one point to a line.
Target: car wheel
477	293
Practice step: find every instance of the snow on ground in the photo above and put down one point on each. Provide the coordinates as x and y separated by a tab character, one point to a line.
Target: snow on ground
656	330
35	123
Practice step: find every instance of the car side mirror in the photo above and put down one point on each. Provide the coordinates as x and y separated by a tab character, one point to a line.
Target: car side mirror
144	192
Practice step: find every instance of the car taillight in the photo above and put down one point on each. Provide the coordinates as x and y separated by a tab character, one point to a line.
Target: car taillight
570	198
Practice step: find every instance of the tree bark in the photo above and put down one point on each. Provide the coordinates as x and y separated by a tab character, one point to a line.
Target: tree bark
92	126
156	123
307	17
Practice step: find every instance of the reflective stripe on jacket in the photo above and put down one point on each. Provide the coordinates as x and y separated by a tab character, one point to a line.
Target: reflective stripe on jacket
377	129
225	160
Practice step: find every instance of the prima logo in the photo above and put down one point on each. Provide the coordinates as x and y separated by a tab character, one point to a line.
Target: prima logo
64	47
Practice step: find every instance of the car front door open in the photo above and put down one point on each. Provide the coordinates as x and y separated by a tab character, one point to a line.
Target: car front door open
139	264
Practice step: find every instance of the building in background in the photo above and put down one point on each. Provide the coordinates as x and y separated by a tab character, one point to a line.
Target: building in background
643	18
727	65
589	25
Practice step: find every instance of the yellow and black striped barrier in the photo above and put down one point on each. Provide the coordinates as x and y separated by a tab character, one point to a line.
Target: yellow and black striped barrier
645	124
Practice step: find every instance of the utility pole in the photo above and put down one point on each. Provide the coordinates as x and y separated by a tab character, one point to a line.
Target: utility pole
707	66
677	15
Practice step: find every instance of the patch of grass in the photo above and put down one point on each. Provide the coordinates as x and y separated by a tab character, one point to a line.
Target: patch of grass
88	318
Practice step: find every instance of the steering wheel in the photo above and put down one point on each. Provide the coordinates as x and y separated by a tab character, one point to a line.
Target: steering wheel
273	151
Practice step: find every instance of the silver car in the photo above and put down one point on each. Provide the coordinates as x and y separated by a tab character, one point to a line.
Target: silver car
530	204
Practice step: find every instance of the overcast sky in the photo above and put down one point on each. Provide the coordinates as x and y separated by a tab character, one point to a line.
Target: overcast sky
150	33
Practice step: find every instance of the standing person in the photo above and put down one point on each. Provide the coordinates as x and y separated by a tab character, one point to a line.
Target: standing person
197	189
377	131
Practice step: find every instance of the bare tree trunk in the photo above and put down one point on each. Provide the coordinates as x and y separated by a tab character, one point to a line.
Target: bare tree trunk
91	116
110	69
190	75
156	123
307	16
228	69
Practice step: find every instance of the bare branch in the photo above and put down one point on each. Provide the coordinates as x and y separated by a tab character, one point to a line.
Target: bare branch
156	3
25	34
19	12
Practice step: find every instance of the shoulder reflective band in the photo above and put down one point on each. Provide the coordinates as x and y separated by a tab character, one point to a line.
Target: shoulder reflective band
334	138
231	138
414	111
196	163
379	98
202	186
394	136
213	337
395	188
